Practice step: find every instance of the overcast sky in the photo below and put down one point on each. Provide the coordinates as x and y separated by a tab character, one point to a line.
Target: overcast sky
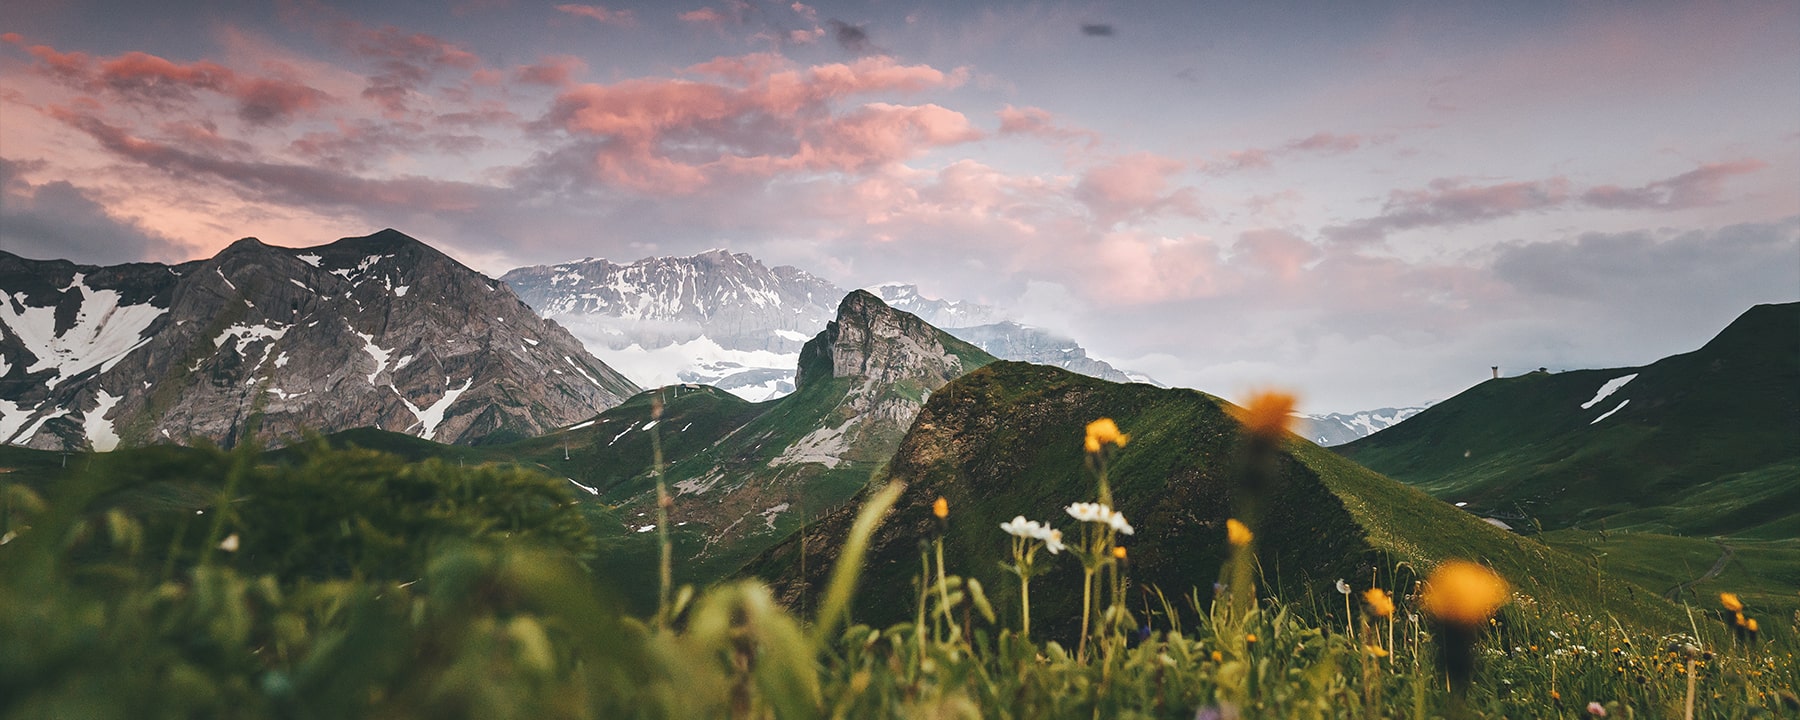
1368	203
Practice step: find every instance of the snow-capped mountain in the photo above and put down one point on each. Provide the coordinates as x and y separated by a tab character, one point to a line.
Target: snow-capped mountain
1025	343
945	314
719	318
1339	428
726	320
379	331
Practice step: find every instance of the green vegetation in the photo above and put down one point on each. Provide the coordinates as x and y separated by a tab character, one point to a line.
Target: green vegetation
332	583
1706	446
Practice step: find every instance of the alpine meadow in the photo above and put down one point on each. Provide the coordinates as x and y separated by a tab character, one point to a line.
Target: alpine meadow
757	359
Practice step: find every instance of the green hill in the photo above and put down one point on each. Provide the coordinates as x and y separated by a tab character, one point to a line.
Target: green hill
1707	442
1007	440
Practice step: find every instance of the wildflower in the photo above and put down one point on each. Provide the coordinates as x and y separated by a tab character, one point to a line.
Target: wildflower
1251	638
1731	602
1269	414
1554	695
1119	551
1098	513
1103	431
230	544
1375	651
1381	604
1238	533
1750	625
1019	527
1464	593
941	508
1596	709
1218	656
1053	541
1343	588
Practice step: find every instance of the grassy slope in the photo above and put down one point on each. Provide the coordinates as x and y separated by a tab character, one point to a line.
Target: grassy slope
1708	443
1006	440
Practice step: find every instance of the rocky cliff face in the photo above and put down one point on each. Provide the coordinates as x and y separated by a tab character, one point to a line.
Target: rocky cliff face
379	331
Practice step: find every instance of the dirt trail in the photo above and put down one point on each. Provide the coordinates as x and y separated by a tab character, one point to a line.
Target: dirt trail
1718	566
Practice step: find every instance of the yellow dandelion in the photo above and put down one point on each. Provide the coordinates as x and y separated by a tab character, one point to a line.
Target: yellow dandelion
1464	593
1376	651
1218	656
1381	604
1750	625
1731	602
1251	638
940	508
1238	533
1269	414
1119	551
1103	431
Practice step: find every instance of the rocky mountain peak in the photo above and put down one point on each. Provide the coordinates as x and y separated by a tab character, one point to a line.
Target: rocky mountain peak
380	331
882	346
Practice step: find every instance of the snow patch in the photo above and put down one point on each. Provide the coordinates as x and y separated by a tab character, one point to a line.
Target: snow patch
578	426
12	417
772	512
429	418
1609	413
374	351
591	491
647	528
247	334
103	334
584	372
30	432
1609	388
310	259
791	335
400	291
100	433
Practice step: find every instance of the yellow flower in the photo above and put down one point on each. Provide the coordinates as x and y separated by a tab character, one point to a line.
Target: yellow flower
1381	604
1731	602
1238	533
1218	656
1103	431
1464	593
1750	625
1376	651
1119	551
1269	414
941	508
1251	638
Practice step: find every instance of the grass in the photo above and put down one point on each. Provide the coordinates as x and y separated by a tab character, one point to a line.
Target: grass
113	613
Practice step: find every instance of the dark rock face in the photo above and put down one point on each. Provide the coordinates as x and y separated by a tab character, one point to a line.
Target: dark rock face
379	331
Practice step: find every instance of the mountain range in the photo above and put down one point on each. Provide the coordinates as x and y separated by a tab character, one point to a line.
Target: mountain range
725	319
378	331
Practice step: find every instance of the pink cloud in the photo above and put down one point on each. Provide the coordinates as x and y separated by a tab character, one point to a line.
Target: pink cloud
1700	186
554	71
139	77
705	16
1277	254
1134	186
755	115
1451	201
622	18
1038	122
1135	268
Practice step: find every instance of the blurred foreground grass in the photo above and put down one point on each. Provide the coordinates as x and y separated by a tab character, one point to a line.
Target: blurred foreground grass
347	583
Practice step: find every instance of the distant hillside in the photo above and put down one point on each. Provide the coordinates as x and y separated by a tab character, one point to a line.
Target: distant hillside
1706	442
1006	440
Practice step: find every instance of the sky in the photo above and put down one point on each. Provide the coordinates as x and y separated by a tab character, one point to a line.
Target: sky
1368	203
